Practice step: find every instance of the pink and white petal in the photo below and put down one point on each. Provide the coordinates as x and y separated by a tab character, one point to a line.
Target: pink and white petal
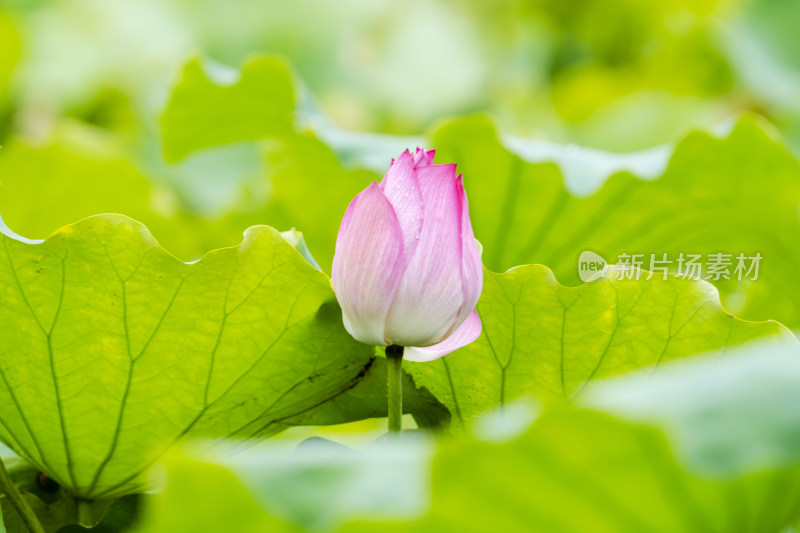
368	265
423	158
471	265
348	214
428	299
467	333
400	168
401	188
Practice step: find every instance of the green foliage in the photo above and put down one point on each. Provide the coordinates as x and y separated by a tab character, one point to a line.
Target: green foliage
47	176
261	348
11	46
737	194
113	349
114	353
367	399
189	506
260	104
573	469
541	338
579	471
311	189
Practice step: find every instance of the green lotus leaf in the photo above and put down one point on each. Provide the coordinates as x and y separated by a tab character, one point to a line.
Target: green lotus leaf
541	338
112	350
626	460
260	103
735	194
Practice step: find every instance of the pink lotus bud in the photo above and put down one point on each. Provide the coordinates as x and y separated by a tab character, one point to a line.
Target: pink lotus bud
407	269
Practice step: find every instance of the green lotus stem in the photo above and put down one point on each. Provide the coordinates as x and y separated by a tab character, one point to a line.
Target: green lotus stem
13	495
394	375
86	516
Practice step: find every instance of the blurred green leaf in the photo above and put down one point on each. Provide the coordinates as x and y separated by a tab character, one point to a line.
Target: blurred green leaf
320	484
725	416
75	175
541	338
584	471
772	22
317	486
204	112
83	171
736	194
571	470
190	503
113	350
311	190
11	46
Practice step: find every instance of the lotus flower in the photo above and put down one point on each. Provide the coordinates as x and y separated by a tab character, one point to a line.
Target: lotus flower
407	269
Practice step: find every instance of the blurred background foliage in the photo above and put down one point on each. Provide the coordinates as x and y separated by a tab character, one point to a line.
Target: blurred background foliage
617	74
91	77
203	117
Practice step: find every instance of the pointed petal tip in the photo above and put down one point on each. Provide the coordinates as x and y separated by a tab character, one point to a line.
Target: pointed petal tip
423	158
402	160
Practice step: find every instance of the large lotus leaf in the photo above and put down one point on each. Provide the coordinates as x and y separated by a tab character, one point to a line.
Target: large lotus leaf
258	104
572	470
694	460
80	173
112	350
367	399
583	471
735	194
190	503
76	174
541	338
